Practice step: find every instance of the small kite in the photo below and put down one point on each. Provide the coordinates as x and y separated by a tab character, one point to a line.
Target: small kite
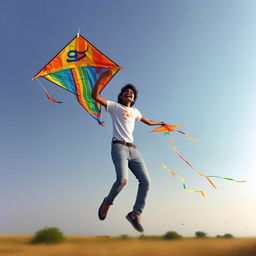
167	129
76	68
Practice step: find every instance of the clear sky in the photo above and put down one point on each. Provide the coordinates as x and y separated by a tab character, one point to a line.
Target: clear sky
193	62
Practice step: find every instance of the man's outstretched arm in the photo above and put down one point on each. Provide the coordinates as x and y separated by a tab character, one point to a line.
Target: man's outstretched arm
150	122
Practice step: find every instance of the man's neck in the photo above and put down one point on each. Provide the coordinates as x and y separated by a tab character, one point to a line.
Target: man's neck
128	104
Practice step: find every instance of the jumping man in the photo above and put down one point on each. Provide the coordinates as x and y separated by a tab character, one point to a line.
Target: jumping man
125	154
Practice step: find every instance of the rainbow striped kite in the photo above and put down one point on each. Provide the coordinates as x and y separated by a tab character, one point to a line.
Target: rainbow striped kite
77	68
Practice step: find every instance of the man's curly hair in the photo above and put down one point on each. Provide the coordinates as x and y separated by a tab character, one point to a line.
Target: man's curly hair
128	86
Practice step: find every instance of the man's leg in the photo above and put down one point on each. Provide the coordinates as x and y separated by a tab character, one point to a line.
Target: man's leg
139	169
119	155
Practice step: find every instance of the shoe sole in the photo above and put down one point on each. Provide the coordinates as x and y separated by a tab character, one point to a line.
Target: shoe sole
130	220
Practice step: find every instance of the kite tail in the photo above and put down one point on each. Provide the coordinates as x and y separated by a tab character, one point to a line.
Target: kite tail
199	191
50	98
210	182
199	173
98	119
184	185
226	178
189	136
47	94
101	123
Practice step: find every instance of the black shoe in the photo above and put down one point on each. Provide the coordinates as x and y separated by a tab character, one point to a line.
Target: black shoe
103	210
135	220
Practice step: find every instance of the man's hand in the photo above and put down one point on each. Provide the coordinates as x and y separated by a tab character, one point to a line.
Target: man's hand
107	73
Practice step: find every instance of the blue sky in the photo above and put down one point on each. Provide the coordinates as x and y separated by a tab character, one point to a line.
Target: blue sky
193	63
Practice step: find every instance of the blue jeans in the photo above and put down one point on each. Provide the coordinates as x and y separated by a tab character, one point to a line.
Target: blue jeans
125	158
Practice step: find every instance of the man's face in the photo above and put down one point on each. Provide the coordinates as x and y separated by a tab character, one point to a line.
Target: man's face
127	96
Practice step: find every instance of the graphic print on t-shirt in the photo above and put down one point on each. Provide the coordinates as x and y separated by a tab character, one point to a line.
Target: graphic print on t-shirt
127	114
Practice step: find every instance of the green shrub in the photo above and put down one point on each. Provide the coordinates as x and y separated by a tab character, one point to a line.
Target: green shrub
172	235
228	236
124	237
200	234
48	235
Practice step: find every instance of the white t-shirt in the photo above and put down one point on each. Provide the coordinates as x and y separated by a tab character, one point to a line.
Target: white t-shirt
123	119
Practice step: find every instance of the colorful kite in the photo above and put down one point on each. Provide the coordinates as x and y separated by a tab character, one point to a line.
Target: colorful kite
77	68
167	129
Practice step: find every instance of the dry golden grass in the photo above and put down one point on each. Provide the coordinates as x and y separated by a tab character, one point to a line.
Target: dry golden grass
94	246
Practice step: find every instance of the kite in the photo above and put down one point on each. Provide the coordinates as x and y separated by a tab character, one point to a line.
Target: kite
76	68
167	129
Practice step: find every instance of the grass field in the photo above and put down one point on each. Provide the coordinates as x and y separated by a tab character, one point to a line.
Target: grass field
92	246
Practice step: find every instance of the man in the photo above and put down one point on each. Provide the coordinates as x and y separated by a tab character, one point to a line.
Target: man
125	154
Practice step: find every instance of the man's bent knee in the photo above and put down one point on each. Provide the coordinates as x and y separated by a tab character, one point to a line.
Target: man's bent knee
121	184
146	183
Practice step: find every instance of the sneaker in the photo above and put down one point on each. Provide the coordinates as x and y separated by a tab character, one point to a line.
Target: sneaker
135	220
103	210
